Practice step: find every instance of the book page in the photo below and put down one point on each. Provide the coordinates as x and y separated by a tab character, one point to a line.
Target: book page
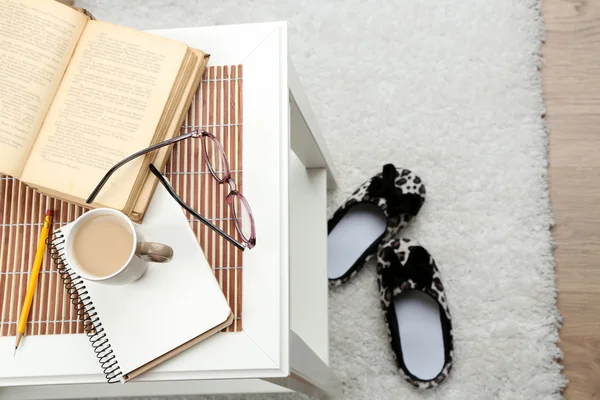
107	107
37	38
163	154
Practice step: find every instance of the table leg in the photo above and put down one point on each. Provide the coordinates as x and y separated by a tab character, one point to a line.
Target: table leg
308	373
306	139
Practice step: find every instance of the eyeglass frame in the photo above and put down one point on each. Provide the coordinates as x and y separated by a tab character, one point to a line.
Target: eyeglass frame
247	243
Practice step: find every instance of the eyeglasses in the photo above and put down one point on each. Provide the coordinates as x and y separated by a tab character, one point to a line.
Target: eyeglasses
218	166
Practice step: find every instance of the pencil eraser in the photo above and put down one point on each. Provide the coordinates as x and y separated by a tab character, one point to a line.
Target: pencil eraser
49	213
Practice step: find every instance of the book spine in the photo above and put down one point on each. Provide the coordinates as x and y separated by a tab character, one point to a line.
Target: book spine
75	287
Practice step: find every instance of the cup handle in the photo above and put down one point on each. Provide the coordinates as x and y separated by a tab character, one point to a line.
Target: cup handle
154	252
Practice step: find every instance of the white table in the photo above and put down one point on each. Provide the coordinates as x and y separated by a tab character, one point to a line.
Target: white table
287	169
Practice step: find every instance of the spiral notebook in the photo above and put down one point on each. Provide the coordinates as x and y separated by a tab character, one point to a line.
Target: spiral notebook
135	327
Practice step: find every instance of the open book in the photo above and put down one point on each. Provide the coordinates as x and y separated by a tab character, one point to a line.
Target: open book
78	95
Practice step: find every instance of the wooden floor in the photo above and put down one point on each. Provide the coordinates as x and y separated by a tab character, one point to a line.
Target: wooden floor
572	93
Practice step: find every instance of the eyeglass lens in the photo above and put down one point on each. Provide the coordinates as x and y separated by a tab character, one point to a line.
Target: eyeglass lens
242	215
215	157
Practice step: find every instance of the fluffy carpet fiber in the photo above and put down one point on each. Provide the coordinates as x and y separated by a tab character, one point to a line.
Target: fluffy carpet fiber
450	89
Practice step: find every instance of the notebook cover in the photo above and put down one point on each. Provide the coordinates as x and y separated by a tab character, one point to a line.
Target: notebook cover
171	308
146	367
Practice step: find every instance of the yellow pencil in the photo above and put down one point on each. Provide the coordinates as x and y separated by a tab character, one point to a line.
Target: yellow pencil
33	277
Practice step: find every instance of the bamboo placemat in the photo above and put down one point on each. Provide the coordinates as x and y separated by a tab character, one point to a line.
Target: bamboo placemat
216	107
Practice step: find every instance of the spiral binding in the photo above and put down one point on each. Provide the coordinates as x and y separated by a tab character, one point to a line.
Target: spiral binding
85	310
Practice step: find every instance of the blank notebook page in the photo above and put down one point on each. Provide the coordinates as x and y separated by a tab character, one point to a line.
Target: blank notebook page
171	304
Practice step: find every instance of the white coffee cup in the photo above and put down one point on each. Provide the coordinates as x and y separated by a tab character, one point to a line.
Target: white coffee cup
137	263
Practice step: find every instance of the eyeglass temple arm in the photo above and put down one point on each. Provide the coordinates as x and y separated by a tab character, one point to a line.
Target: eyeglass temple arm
134	156
167	186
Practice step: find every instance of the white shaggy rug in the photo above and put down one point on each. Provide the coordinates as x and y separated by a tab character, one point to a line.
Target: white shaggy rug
449	89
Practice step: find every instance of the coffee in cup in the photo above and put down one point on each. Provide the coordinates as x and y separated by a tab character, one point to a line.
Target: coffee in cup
102	245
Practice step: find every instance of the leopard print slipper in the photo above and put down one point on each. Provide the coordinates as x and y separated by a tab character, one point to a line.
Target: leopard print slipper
416	312
374	213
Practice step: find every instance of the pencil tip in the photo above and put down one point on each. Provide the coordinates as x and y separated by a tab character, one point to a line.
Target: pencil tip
17	341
